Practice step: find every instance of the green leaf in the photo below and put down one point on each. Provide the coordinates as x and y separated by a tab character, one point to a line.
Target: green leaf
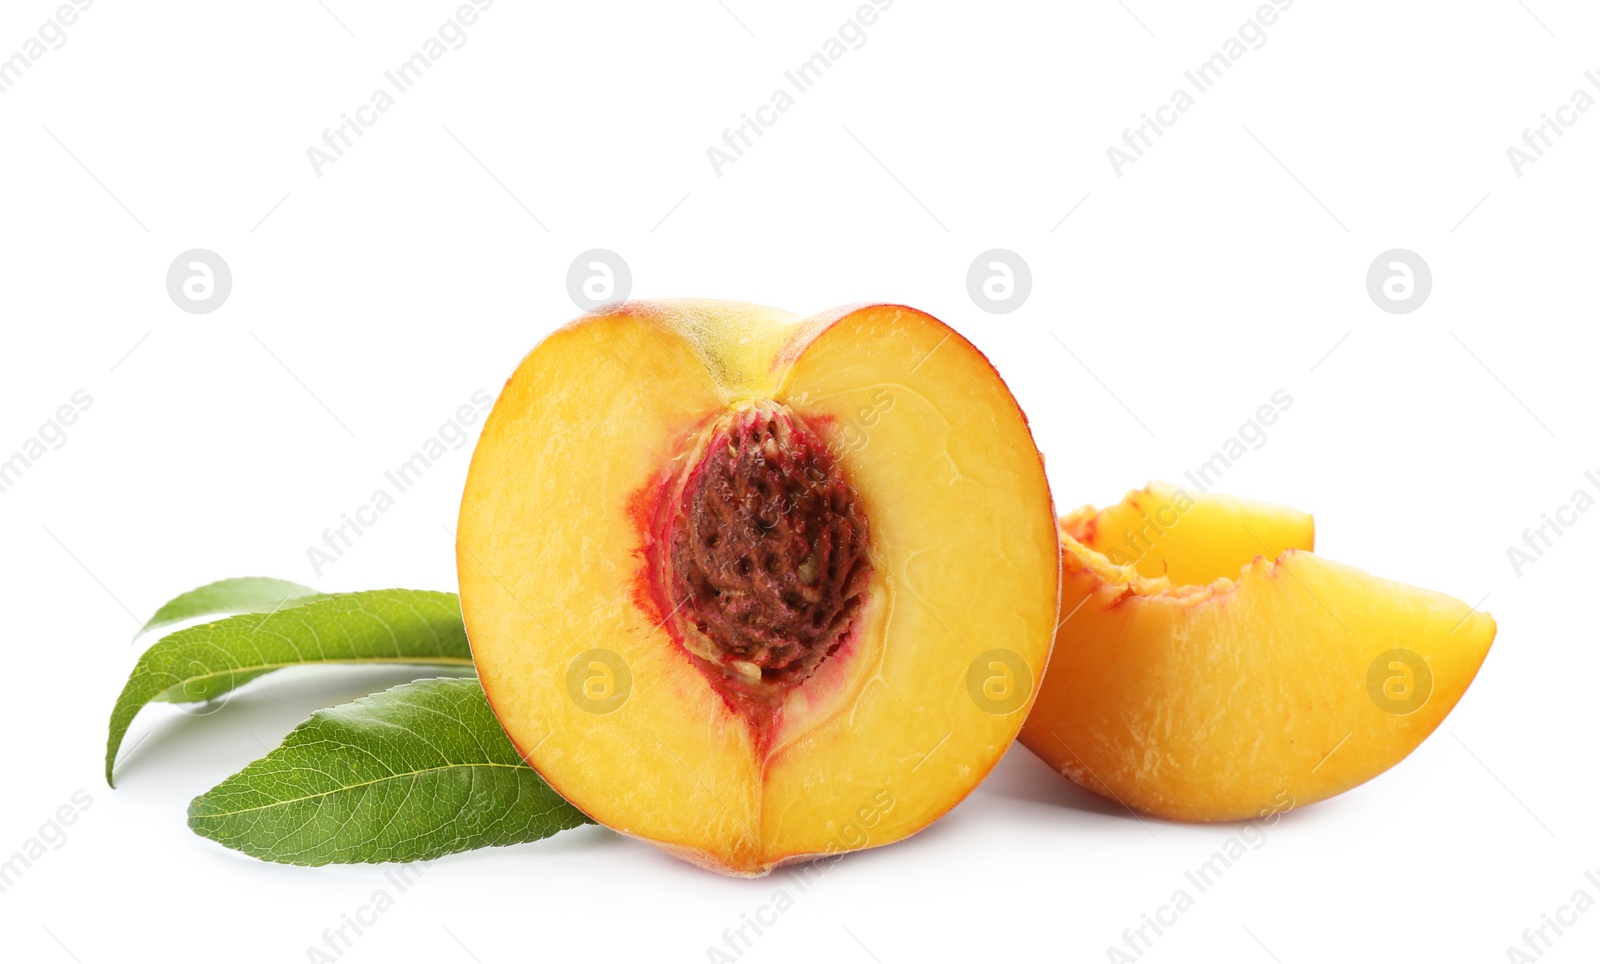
381	626
412	773
250	594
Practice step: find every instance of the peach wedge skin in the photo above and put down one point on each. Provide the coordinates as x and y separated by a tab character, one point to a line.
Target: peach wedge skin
1297	678
887	735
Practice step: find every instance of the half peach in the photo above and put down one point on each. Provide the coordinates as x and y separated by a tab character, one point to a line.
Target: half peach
757	588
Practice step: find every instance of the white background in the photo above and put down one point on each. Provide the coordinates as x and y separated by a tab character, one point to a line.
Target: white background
373	300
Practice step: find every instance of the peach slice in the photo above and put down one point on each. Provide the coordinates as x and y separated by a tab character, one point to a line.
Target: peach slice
1209	667
757	588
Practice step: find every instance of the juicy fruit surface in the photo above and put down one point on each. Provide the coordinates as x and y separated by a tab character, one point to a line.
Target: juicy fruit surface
1192	540
941	548
1230	699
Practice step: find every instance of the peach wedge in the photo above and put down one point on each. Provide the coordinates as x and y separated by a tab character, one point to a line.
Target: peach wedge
758	588
1209	666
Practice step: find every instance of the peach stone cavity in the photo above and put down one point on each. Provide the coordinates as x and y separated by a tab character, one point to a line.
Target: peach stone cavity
758	554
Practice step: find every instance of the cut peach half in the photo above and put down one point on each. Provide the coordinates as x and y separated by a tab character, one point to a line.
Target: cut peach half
757	588
1208	666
